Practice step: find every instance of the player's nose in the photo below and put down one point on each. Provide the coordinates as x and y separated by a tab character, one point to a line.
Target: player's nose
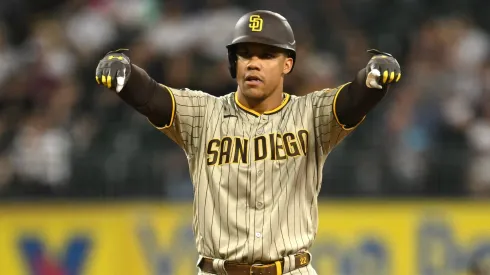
254	63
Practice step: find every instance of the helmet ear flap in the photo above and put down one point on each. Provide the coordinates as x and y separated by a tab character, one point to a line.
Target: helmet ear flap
232	59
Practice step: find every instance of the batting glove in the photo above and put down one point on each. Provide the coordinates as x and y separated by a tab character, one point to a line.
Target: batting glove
382	69
113	70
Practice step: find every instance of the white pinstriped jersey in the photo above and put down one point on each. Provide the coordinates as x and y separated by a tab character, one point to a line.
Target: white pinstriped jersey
256	177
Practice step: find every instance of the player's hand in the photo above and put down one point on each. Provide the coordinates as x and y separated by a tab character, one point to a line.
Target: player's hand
113	70
382	69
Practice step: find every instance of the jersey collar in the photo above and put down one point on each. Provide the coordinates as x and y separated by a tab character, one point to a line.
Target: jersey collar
273	111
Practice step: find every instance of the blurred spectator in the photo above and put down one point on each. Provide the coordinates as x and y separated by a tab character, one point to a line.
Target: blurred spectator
41	155
7	56
478	134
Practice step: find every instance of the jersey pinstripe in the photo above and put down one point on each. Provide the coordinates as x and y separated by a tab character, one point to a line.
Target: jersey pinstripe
256	177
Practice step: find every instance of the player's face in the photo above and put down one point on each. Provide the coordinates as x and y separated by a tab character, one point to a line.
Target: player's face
261	69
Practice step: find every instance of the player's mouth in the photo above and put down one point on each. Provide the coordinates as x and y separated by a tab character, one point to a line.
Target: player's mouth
253	80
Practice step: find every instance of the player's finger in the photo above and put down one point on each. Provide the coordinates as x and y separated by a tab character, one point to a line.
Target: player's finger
374	67
111	78
376	73
398	77
109	81
397	74
114	78
392	77
106	77
98	76
120	79
385	77
372	80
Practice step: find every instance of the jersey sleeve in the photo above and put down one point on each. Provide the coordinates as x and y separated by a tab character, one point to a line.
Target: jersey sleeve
329	132
187	122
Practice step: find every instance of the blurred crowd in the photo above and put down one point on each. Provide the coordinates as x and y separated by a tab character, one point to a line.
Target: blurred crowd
61	135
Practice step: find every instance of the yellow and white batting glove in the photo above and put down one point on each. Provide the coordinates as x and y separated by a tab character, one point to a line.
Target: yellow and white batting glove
113	70
382	69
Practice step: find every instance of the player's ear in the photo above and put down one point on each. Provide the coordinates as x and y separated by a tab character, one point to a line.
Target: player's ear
288	65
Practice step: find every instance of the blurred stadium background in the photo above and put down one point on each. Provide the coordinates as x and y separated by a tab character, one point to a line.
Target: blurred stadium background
88	187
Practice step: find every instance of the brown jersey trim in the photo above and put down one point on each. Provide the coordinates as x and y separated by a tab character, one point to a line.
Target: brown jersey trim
335	111
250	111
285	101
173	110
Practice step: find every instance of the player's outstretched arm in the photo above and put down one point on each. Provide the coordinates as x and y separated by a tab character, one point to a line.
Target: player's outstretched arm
116	72
367	89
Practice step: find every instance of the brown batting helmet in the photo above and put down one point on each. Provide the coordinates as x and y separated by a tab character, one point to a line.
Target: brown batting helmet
263	27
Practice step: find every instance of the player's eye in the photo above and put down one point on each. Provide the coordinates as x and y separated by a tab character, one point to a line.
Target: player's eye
244	54
268	56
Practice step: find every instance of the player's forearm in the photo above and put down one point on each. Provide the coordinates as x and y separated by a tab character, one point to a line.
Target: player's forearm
148	97
356	100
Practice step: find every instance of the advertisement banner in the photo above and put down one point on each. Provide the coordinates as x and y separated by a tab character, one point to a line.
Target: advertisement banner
96	239
392	238
401	238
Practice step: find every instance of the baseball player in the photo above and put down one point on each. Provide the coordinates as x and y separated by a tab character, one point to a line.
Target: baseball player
255	155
